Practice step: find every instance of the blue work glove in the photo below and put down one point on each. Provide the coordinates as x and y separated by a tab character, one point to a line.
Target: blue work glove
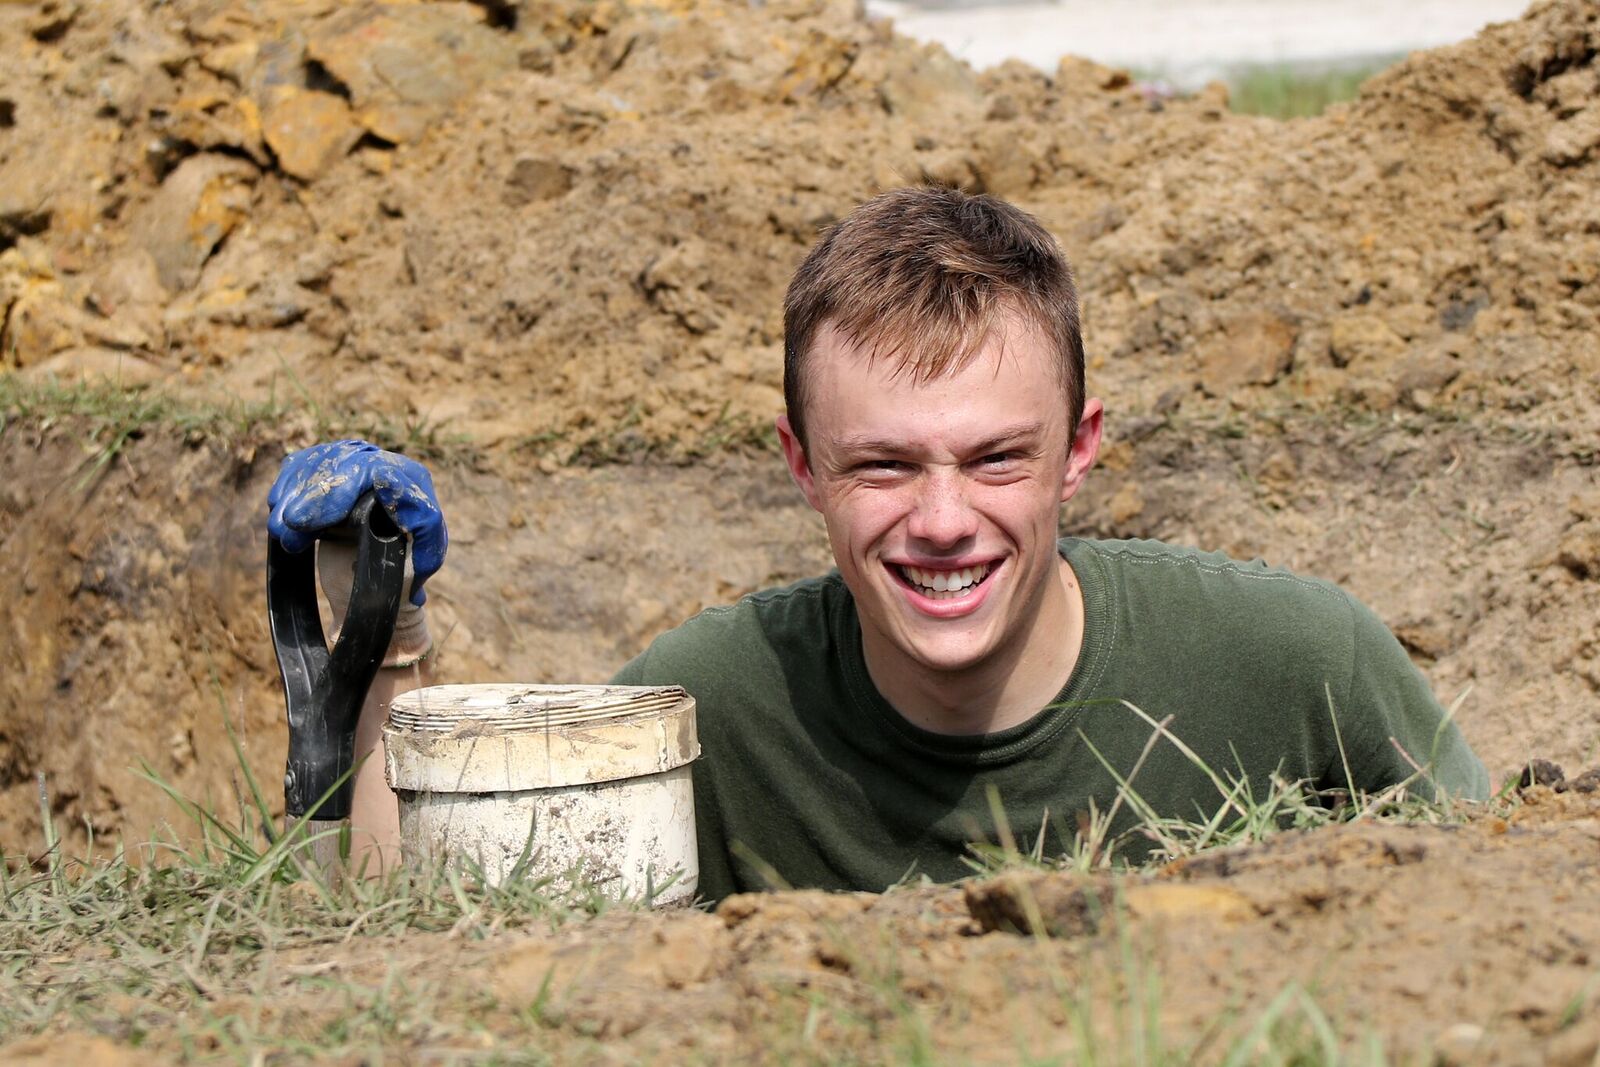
318	487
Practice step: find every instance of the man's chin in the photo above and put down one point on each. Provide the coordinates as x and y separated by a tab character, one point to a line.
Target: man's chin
943	657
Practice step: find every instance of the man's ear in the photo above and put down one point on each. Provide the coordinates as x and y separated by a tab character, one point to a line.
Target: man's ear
794	455
1085	448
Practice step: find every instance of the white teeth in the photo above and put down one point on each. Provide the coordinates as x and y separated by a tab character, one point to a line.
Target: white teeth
942	585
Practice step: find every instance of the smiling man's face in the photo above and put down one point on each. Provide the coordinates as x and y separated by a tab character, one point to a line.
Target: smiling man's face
941	497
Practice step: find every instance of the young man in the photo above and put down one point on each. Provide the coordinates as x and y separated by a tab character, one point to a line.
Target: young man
856	727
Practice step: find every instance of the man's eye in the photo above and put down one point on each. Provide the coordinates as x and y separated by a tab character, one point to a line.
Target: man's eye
998	459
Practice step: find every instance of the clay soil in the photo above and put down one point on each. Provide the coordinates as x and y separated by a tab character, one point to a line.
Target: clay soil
544	246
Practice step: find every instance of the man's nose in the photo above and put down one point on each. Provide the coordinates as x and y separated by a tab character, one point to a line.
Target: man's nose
943	515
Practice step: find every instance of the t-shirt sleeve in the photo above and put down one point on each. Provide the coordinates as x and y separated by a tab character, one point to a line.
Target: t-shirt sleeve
1390	724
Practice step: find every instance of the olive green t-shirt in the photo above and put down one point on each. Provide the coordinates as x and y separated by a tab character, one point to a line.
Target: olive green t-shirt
808	777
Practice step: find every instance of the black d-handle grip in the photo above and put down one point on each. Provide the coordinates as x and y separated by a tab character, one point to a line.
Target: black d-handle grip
324	690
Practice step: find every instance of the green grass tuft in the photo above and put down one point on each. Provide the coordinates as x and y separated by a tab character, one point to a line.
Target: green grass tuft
1284	91
109	417
1240	817
132	941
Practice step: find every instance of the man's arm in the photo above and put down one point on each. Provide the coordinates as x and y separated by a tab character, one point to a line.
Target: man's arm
374	811
408	664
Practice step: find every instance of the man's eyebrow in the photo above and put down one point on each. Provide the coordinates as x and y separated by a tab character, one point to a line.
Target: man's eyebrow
868	445
1010	436
859	445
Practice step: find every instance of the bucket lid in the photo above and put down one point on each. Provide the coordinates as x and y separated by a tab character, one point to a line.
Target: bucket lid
507	737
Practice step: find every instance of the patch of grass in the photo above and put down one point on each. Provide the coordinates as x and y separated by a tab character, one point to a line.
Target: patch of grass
741	432
626	441
1286	91
1240	816
187	935
1277	90
109	417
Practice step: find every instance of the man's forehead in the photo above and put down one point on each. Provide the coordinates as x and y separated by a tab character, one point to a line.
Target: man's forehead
893	358
995	402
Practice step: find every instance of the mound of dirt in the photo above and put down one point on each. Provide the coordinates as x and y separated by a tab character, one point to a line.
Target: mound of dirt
568	226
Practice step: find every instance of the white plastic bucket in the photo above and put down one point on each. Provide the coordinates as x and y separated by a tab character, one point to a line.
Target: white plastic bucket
591	780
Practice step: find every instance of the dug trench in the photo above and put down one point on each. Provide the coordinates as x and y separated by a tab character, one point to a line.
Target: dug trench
139	629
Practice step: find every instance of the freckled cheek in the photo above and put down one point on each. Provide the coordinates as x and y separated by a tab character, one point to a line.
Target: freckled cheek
997	497
865	521
1015	506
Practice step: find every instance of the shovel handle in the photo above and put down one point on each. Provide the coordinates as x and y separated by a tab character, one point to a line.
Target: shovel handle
323	689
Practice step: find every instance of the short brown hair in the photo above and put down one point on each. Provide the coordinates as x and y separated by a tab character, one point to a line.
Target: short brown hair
921	276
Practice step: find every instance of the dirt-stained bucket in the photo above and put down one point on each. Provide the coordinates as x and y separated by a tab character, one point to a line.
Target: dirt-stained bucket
547	781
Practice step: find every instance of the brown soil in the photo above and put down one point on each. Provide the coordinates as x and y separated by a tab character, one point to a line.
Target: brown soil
1445	944
1417	935
1364	346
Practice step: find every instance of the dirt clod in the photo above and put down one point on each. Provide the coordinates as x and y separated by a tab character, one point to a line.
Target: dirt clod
1540	772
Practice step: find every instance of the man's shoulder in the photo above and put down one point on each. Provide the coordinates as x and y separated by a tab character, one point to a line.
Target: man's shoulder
1299	659
722	644
1193	598
758	617
1147	568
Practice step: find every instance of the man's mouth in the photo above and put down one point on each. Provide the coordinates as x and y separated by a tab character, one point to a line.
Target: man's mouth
943	584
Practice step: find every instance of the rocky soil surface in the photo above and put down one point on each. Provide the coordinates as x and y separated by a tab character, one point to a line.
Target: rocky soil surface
567	228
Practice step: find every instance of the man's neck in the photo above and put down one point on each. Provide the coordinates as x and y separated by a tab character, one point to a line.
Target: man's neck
1005	690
